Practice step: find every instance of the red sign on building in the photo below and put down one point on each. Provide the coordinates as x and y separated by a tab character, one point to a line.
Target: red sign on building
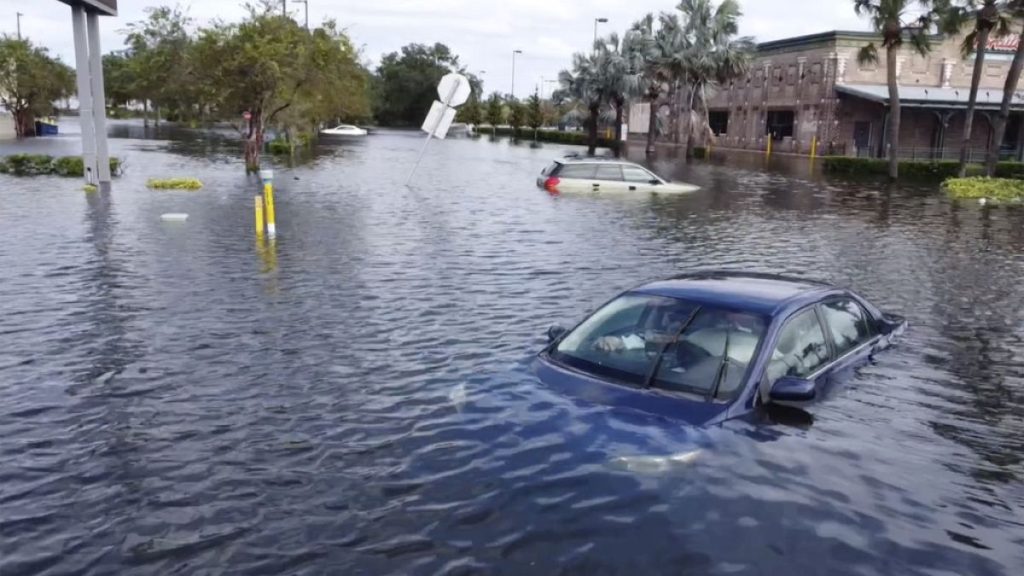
1004	44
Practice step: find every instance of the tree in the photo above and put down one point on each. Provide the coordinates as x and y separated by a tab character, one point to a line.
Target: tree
471	112
1009	89
894	21
118	78
156	54
30	82
406	82
495	112
585	84
534	114
620	77
647	49
986	17
280	74
516	115
701	51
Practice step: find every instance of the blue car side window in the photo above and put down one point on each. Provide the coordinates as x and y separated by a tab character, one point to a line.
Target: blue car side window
800	350
847	323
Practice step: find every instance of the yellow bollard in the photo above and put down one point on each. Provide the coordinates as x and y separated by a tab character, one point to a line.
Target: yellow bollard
768	150
814	147
258	207
268	200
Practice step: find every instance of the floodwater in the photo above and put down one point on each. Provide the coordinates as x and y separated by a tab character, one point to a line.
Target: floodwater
356	397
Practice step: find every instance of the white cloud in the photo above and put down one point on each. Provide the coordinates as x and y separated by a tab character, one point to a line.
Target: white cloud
482	32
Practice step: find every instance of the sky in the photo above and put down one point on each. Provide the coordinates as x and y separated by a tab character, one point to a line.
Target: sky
483	33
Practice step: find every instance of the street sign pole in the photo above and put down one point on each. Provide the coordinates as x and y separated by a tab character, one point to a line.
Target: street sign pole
453	90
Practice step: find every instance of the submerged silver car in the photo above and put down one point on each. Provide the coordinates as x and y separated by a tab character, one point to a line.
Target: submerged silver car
577	174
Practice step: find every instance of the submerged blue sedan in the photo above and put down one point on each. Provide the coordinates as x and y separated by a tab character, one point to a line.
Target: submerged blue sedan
711	346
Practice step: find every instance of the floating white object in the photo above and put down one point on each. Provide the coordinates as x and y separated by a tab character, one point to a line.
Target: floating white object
174	217
982	201
656	464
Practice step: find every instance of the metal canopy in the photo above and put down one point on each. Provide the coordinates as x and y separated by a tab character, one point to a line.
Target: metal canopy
933	97
101	7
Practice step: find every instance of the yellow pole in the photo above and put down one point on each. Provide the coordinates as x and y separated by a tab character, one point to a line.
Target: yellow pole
258	207
768	150
814	147
268	200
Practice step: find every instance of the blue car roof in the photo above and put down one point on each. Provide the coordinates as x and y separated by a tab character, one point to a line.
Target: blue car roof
764	294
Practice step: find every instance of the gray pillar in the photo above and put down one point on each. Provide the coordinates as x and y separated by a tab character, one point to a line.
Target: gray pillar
85	105
99	100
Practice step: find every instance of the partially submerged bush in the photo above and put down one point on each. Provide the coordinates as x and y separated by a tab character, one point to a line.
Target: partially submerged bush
41	164
920	169
174	184
1006	189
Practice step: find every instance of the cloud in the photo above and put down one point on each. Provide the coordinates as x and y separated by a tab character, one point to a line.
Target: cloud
482	32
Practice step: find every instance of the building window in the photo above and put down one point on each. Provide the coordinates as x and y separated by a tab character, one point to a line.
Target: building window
780	124
718	121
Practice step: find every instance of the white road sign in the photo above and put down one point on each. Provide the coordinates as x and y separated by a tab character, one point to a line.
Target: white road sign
454	89
439	120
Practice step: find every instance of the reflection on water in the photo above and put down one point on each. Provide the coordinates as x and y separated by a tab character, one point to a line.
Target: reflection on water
354	396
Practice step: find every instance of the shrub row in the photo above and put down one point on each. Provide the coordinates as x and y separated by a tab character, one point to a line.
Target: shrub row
935	170
980	187
553	136
41	164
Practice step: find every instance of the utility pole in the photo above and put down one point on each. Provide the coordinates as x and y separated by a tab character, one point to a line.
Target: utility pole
19	24
284	8
306	3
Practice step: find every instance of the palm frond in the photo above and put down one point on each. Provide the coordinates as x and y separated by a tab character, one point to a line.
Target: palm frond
868	54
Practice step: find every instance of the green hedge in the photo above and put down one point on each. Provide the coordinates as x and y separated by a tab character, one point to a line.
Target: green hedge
553	136
41	164
934	170
980	187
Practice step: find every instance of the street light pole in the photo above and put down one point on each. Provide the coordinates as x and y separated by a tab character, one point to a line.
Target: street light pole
19	24
284	8
514	52
596	22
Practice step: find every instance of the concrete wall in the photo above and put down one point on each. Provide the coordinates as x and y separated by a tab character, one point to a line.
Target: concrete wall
7	126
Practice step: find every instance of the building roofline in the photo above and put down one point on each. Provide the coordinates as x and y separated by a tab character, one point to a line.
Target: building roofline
823	37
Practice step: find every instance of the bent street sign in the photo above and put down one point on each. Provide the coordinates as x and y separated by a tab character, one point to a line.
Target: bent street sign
102	7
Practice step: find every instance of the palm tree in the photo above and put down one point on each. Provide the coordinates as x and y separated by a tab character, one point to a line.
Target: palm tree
893	20
717	55
619	77
702	52
1015	8
645	50
987	17
585	84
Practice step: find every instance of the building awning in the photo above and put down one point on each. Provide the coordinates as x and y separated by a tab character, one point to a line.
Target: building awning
933	97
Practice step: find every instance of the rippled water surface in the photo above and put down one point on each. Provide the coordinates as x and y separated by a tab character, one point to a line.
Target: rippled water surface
356	398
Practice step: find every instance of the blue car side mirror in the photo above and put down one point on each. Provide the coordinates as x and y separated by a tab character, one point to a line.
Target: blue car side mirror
792	389
556	332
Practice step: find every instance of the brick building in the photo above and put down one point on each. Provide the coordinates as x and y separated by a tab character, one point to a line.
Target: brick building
812	88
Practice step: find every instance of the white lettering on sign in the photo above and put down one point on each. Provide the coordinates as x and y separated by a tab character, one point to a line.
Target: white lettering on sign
1004	44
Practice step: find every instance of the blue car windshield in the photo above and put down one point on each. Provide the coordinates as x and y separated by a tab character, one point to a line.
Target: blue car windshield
666	343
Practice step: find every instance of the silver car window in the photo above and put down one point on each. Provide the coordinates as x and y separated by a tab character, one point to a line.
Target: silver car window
636	174
609	172
582	171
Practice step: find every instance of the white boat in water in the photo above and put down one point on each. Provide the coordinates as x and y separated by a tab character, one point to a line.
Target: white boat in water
343	131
